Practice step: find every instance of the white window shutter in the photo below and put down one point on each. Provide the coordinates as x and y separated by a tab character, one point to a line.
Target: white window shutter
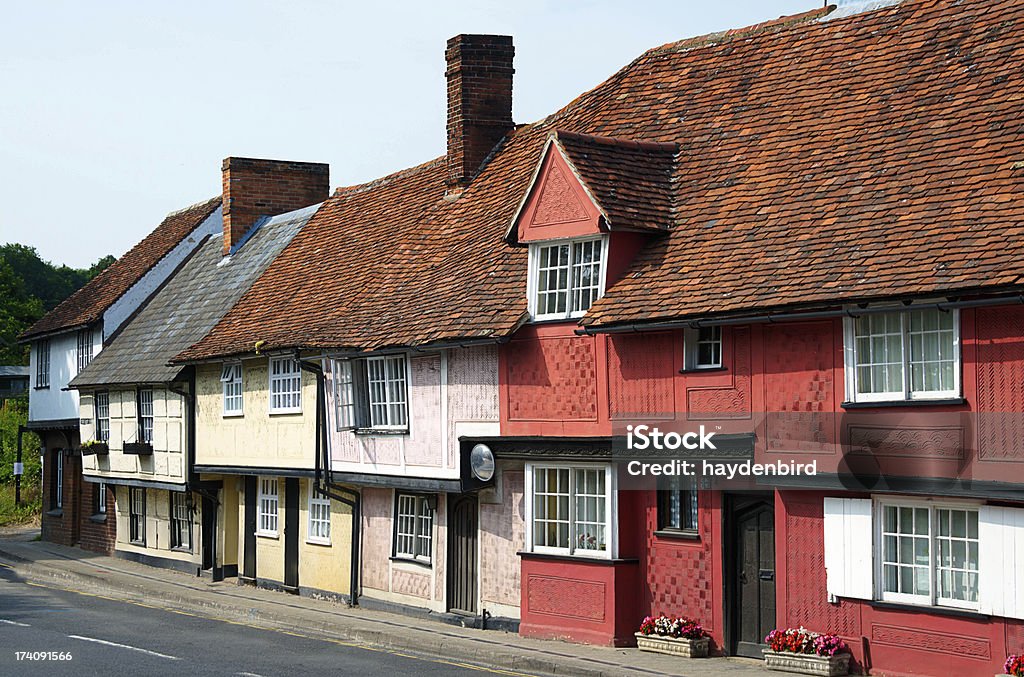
849	540
1001	561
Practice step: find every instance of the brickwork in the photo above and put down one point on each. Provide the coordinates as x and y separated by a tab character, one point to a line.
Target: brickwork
479	100
255	188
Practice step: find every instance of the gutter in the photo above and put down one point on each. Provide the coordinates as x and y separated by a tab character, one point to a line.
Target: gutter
772	318
323	484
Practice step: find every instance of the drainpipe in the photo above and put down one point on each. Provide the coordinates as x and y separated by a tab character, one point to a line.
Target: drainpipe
322	472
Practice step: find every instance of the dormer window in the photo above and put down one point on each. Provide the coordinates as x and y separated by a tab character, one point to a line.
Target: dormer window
566	277
703	348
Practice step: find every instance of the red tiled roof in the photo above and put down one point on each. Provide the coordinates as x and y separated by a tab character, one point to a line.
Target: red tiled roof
631	180
88	304
858	158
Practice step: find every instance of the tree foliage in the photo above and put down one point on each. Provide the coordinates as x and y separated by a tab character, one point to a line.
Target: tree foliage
29	288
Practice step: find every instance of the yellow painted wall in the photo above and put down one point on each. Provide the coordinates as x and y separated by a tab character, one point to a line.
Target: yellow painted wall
257	438
324	567
158	526
270	549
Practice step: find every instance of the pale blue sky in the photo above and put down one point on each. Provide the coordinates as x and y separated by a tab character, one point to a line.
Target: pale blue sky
114	113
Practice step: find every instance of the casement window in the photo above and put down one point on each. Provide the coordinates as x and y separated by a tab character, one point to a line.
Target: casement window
145	405
941	553
903	355
414	527
137	515
677	505
344	397
703	348
372	393
231	383
43	363
319	527
267	507
565	278
181	521
570	510
102	405
285	386
99	498
84	348
57	481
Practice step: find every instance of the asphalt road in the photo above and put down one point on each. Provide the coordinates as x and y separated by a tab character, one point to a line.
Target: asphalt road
102	636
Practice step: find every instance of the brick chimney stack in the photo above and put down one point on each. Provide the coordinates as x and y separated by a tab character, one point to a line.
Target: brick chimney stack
255	188
479	77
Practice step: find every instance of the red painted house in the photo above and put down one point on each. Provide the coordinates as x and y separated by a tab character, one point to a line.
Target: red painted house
803	236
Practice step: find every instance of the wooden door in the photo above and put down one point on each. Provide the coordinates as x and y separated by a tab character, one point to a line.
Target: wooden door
462	560
291	534
752	598
249	547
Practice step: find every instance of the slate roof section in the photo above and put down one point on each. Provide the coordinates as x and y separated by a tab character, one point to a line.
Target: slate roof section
631	180
189	305
819	162
88	304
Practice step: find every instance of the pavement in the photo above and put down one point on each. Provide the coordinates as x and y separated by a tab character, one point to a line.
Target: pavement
235	617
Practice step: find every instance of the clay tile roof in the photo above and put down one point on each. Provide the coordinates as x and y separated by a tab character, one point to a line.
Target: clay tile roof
631	180
818	161
88	304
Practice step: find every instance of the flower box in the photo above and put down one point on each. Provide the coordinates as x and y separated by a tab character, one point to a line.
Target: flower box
674	646
138	448
807	664
97	448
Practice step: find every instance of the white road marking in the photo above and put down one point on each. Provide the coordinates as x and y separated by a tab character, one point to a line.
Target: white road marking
125	646
20	625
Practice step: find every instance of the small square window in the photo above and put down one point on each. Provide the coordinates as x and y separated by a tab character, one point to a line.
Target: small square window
677	505
231	382
566	277
414	527
285	386
703	348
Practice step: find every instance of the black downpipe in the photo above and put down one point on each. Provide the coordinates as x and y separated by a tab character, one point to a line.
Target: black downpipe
322	472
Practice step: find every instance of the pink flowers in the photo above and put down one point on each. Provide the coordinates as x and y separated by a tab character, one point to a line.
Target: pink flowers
803	641
1014	665
670	626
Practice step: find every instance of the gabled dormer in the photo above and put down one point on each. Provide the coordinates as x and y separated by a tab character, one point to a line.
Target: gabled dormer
591	204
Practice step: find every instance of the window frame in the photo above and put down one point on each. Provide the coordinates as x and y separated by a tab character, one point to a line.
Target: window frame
84	348
42	375
100	498
101	432
688	511
692	342
144	435
57	481
342	378
533	272
611	511
323	502
273	378
354	396
235	378
265	516
385	361
907	394
175	521
422	512
932	599
136	519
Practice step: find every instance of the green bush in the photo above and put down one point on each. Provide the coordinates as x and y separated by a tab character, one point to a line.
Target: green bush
14	413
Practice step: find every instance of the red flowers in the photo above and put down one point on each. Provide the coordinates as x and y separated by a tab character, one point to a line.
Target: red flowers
803	641
669	626
1014	665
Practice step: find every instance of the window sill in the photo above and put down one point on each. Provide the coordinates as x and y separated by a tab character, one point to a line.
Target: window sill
678	534
187	551
556	320
703	370
945	402
45	387
579	559
56	512
284	412
141	544
325	544
921	608
233	415
98	518
419	562
380	431
267	535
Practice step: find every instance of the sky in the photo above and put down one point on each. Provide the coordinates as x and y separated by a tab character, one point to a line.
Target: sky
113	114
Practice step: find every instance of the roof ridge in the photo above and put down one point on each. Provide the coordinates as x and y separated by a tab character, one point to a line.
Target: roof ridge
201	203
728	35
621	142
387	178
